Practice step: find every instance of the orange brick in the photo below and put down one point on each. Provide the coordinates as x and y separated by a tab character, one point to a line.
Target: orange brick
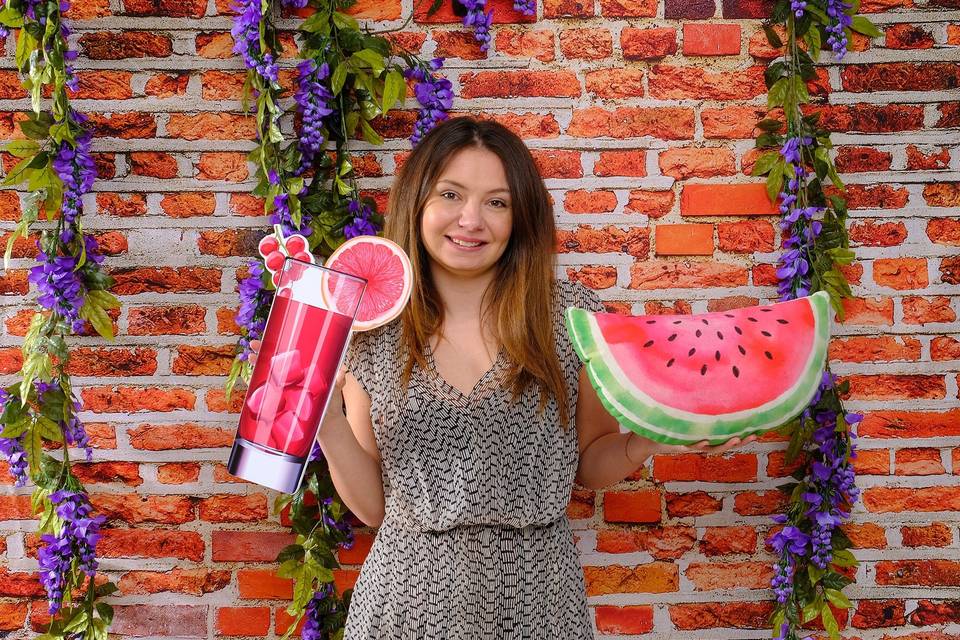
726	200
710	39
243	621
632	506
684	239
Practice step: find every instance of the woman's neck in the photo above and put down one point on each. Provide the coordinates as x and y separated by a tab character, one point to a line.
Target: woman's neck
462	296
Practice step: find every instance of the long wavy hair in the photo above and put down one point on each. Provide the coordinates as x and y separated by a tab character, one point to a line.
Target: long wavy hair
520	298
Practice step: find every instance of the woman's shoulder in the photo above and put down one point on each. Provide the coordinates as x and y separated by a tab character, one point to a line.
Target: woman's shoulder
570	293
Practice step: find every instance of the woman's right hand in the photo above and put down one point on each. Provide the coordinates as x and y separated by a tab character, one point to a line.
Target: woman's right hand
254	348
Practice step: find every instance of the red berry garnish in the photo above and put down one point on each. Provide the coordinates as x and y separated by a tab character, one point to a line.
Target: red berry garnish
304	256
275	278
295	244
268	244
274	261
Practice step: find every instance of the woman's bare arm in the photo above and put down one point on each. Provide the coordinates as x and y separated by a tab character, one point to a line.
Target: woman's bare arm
348	444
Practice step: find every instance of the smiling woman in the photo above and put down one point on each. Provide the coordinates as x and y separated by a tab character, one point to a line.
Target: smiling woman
469	417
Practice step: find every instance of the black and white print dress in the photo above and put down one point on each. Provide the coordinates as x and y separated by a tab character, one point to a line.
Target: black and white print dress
475	543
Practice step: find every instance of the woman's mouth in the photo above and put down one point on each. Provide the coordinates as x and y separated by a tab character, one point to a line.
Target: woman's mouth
465	244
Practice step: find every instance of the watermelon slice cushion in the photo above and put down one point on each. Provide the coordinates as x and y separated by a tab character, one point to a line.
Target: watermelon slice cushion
682	379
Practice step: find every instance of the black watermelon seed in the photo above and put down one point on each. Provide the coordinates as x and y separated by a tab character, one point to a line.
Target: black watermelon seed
742	350
766	333
736	372
672	337
704	321
719	335
729	315
765	310
767	353
752	319
651	322
782	321
738	330
703	370
648	343
677	321
692	351
670	362
717	356
699	333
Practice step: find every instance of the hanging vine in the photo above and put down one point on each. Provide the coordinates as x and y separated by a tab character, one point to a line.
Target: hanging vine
814	561
347	78
39	410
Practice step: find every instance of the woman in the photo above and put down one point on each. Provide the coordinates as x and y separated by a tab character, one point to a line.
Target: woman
469	417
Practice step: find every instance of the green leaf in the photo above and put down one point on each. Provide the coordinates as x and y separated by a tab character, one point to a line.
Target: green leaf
15	429
23	148
373	59
777	93
810	611
434	7
837	598
829	622
844	558
774	182
815	573
369	134
812	38
862	25
394	89
48	429
351	121
10	17
94	313
772	37
339	77
343	21
765	163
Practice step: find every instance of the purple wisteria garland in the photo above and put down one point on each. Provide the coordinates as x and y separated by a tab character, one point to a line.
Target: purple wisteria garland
814	560
39	408
346	79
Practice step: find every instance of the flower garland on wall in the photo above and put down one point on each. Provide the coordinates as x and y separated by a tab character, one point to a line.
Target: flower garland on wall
39	410
814	561
347	77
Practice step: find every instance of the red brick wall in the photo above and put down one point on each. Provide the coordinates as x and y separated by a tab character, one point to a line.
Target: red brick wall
640	113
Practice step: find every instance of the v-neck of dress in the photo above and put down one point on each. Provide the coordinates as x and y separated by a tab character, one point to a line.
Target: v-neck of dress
455	392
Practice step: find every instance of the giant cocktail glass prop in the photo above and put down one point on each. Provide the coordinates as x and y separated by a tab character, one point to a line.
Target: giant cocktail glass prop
303	345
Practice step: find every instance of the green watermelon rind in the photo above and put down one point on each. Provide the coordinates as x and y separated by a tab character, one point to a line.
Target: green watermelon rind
669	425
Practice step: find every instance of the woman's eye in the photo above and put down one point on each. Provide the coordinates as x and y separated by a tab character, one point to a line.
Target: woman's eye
498	203
448	193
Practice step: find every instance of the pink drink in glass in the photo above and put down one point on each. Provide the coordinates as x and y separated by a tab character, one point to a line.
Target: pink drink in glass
303	343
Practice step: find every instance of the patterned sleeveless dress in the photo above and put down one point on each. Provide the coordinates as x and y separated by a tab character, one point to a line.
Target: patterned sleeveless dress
475	543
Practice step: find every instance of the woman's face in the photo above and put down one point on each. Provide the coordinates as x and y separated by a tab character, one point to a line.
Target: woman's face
467	218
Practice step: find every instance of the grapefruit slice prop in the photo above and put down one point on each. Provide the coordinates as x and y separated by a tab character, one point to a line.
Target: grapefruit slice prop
385	267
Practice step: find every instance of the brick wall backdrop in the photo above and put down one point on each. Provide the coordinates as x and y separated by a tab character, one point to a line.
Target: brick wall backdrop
641	115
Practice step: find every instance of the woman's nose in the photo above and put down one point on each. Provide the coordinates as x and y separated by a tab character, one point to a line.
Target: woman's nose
470	217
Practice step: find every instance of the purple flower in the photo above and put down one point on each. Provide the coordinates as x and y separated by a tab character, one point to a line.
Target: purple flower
60	286
75	541
315	613
840	21
312	98
77	170
479	20
361	223
798	7
526	7
791	539
246	40
435	95
12	450
254	302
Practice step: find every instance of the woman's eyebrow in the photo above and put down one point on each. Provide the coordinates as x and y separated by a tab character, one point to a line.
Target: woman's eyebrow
460	186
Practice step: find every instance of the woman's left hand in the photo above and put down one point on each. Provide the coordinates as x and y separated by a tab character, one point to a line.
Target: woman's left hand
701	447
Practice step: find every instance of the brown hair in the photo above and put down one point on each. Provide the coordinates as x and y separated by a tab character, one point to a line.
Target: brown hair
521	293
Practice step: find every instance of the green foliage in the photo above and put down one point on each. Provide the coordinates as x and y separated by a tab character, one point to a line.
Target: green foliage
815	590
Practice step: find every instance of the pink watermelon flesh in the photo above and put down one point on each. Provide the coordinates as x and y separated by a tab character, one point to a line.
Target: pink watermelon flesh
684	378
676	357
